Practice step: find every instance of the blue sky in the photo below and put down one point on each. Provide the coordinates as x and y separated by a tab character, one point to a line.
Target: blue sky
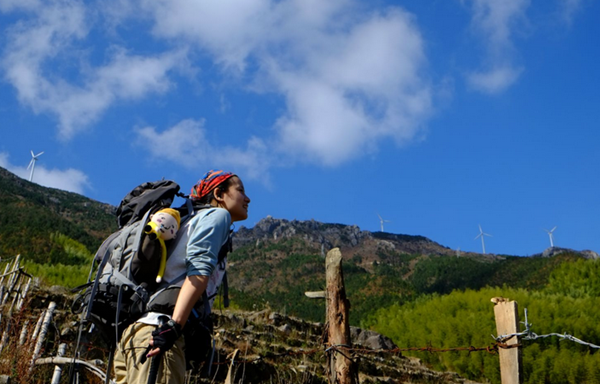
438	115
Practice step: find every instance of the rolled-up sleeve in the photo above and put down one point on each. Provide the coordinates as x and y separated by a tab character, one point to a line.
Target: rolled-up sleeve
208	234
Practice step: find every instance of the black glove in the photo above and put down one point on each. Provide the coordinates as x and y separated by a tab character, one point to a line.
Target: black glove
166	335
163	337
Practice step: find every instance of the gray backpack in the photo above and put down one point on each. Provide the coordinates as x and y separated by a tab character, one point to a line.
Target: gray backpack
127	262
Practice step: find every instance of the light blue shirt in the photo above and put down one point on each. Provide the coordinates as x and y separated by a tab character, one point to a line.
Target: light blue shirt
197	254
208	231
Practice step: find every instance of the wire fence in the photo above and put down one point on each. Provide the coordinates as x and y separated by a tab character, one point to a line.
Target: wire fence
355	352
529	335
351	352
12	284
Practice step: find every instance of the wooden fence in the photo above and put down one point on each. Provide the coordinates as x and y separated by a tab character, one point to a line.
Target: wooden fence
15	284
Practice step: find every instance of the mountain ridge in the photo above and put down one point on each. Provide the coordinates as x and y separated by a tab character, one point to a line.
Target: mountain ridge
275	261
322	237
98	221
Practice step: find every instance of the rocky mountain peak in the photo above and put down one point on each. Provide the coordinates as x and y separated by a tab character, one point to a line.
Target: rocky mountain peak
312	231
554	251
326	236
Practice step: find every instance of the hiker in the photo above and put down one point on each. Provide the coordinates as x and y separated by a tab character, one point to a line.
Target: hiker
199	256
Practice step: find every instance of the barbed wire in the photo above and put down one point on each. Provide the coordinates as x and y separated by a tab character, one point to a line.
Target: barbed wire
493	349
529	335
345	349
351	352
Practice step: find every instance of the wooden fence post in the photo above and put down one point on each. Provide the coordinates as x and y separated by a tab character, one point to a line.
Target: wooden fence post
43	331
62	349
23	335
11	279
2	289
38	325
507	323
4	339
24	294
16	291
342	369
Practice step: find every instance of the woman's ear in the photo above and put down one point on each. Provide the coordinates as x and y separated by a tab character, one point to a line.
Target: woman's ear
218	194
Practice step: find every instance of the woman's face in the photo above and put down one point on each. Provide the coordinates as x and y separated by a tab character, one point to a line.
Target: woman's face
235	200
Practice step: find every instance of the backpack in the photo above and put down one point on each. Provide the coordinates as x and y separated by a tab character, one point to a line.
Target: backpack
128	262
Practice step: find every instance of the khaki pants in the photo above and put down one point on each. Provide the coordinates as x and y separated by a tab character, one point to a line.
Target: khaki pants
133	345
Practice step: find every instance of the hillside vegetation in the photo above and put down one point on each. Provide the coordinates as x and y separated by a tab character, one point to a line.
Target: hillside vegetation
566	305
409	288
278	273
30	214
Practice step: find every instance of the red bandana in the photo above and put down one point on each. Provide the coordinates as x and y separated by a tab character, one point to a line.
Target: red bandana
208	182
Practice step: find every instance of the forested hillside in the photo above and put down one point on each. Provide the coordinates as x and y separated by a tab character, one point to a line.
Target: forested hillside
567	304
30	214
277	273
273	263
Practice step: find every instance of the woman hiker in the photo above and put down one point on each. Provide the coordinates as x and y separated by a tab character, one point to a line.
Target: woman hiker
219	199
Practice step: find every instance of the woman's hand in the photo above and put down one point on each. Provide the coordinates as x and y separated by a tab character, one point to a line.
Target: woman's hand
164	337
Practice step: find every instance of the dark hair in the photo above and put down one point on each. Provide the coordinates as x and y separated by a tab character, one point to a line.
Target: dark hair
223	187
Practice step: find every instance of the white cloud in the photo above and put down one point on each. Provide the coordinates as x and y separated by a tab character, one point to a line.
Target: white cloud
568	9
180	143
495	22
231	29
495	80
186	144
72	180
35	45
349	78
11	5
360	87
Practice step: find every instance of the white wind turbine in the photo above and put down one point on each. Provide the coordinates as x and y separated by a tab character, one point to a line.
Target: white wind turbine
32	163
381	221
482	235
551	236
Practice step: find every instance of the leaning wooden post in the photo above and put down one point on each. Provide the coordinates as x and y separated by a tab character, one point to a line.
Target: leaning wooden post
342	369
38	325
23	335
6	269
16	291
24	294
2	288
62	349
4	339
43	331
13	269
507	323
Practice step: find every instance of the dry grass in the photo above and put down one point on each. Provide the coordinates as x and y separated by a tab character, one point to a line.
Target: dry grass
19	346
15	359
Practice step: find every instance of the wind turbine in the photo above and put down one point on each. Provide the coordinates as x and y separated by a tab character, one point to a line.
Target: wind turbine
32	163
551	236
381	221
482	234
